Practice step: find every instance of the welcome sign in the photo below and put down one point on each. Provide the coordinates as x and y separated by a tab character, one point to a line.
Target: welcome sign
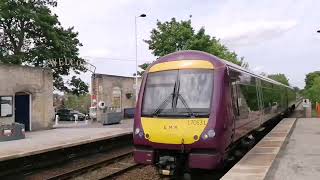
67	62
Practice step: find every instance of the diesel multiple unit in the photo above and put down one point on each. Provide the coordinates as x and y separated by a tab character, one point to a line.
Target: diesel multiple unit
193	107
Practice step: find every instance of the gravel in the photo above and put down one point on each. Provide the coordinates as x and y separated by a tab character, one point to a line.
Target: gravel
143	173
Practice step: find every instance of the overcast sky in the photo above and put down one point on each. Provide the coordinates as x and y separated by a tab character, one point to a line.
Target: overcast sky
274	36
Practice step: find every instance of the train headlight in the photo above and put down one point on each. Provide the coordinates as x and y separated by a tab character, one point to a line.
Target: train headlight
141	134
205	136
136	131
211	133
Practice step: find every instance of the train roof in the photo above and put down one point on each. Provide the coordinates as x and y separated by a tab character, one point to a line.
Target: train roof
194	54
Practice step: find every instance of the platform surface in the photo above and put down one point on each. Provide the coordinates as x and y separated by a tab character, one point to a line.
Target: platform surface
300	157
62	137
258	161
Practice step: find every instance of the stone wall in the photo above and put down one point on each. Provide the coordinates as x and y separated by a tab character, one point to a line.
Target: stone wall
36	82
105	88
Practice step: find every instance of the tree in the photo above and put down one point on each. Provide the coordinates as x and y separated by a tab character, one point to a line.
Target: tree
296	89
31	35
280	78
310	78
313	93
81	103
172	36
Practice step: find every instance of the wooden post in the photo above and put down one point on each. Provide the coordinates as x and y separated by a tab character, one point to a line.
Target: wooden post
318	109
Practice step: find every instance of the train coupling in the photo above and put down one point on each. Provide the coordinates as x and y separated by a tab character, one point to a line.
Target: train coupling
167	165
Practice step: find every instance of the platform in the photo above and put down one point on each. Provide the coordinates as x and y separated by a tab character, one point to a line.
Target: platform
300	157
257	162
291	151
62	137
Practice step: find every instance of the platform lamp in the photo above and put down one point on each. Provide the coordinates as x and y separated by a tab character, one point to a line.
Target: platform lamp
136	46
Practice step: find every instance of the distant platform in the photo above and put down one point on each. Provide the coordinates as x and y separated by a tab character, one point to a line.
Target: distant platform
290	151
65	135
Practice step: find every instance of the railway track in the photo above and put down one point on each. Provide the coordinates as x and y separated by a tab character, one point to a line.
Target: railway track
66	163
124	167
99	166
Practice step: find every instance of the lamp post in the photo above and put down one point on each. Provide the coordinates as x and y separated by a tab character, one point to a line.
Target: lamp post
136	46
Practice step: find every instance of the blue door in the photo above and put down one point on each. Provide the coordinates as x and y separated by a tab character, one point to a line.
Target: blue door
22	110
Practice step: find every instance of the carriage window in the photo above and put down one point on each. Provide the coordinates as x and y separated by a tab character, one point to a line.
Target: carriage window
249	94
6	106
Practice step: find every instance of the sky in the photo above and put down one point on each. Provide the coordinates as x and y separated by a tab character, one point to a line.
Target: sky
273	36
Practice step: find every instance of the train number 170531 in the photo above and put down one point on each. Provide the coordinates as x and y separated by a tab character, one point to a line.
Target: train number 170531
197	122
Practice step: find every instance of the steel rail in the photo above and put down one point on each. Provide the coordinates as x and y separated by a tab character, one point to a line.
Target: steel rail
90	167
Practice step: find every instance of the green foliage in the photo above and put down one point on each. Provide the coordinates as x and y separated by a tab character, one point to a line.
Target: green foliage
280	78
78	86
310	78
296	89
172	36
31	35
313	93
143	66
250	93
80	103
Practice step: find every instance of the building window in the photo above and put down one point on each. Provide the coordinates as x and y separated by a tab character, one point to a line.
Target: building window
6	106
116	99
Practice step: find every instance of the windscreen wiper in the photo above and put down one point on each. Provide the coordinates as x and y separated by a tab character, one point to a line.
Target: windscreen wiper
178	95
162	105
191	114
165	102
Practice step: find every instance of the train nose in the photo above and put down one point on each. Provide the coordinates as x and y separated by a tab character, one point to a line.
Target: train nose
173	131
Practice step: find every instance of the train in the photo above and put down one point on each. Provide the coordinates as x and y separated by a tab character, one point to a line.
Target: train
193	107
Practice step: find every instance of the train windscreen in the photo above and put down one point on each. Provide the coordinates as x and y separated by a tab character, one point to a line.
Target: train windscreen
184	92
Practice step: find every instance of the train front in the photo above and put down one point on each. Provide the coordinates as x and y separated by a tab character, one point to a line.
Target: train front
173	125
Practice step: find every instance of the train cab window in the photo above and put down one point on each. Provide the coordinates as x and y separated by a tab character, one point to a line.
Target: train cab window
195	89
158	90
178	93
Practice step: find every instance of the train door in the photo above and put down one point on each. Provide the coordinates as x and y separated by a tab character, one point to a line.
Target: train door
234	96
248	104
235	108
239	102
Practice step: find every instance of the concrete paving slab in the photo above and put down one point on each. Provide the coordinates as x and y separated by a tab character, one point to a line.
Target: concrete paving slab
257	162
300	157
48	140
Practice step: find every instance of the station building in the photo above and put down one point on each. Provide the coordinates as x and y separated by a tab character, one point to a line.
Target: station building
26	96
112	93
